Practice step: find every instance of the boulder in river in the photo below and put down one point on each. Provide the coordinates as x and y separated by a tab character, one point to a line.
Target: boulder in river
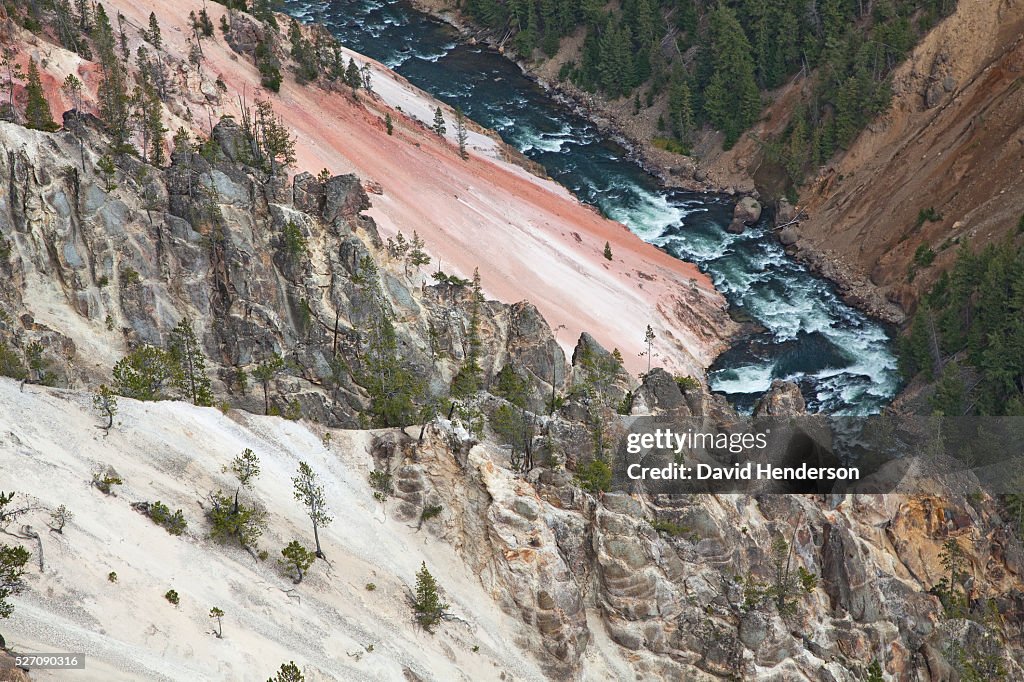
748	209
746	213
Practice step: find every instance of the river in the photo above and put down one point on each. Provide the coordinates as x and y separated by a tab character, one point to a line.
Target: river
842	360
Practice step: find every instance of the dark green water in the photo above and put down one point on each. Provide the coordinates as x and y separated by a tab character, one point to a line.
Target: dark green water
842	361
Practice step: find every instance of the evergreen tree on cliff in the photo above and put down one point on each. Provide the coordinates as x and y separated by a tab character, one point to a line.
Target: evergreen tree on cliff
310	493
439	126
37	109
153	36
191	379
113	89
353	76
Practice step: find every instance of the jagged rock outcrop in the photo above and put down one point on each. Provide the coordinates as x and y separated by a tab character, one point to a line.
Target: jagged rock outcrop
680	601
783	399
260	267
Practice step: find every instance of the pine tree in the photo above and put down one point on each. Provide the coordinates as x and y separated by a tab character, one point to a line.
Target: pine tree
417	255
439	126
427	604
72	88
108	170
389	125
191	378
352	74
798	148
153	35
143	373
268	66
10	64
66	26
37	108
264	373
470	375
607	251
732	100
289	672
274	138
394	387
204	25
310	493
297	558
113	89
680	109
367	78
84	15
12	569
104	401
649	342
461	135
148	111
230	517
948	400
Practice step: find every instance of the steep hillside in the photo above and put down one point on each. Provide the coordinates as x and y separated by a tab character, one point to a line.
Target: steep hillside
543	580
330	624
537	232
943	167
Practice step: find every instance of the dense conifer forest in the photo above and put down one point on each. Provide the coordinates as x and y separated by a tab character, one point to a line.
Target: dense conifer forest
717	60
968	334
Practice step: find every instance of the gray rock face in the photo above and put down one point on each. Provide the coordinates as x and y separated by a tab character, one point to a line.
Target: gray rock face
660	393
261	268
782	400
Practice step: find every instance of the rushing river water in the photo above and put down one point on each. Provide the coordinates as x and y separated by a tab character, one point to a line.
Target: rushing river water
841	359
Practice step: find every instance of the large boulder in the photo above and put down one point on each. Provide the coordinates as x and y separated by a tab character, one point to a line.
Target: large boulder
784	212
789	236
746	213
783	399
660	392
748	209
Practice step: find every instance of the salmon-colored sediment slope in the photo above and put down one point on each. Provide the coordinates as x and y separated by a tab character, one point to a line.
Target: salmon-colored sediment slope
530	238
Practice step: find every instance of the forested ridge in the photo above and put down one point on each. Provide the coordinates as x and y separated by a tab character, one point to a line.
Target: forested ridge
968	334
716	60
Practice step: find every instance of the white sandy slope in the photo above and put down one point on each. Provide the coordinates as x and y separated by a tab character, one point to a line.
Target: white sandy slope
170	451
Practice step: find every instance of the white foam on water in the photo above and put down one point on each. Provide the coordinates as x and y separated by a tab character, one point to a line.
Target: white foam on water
746	379
649	215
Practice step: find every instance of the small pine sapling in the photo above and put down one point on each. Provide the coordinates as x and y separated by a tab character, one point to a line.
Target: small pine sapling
59	518
217	614
104	401
427	604
288	672
297	558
